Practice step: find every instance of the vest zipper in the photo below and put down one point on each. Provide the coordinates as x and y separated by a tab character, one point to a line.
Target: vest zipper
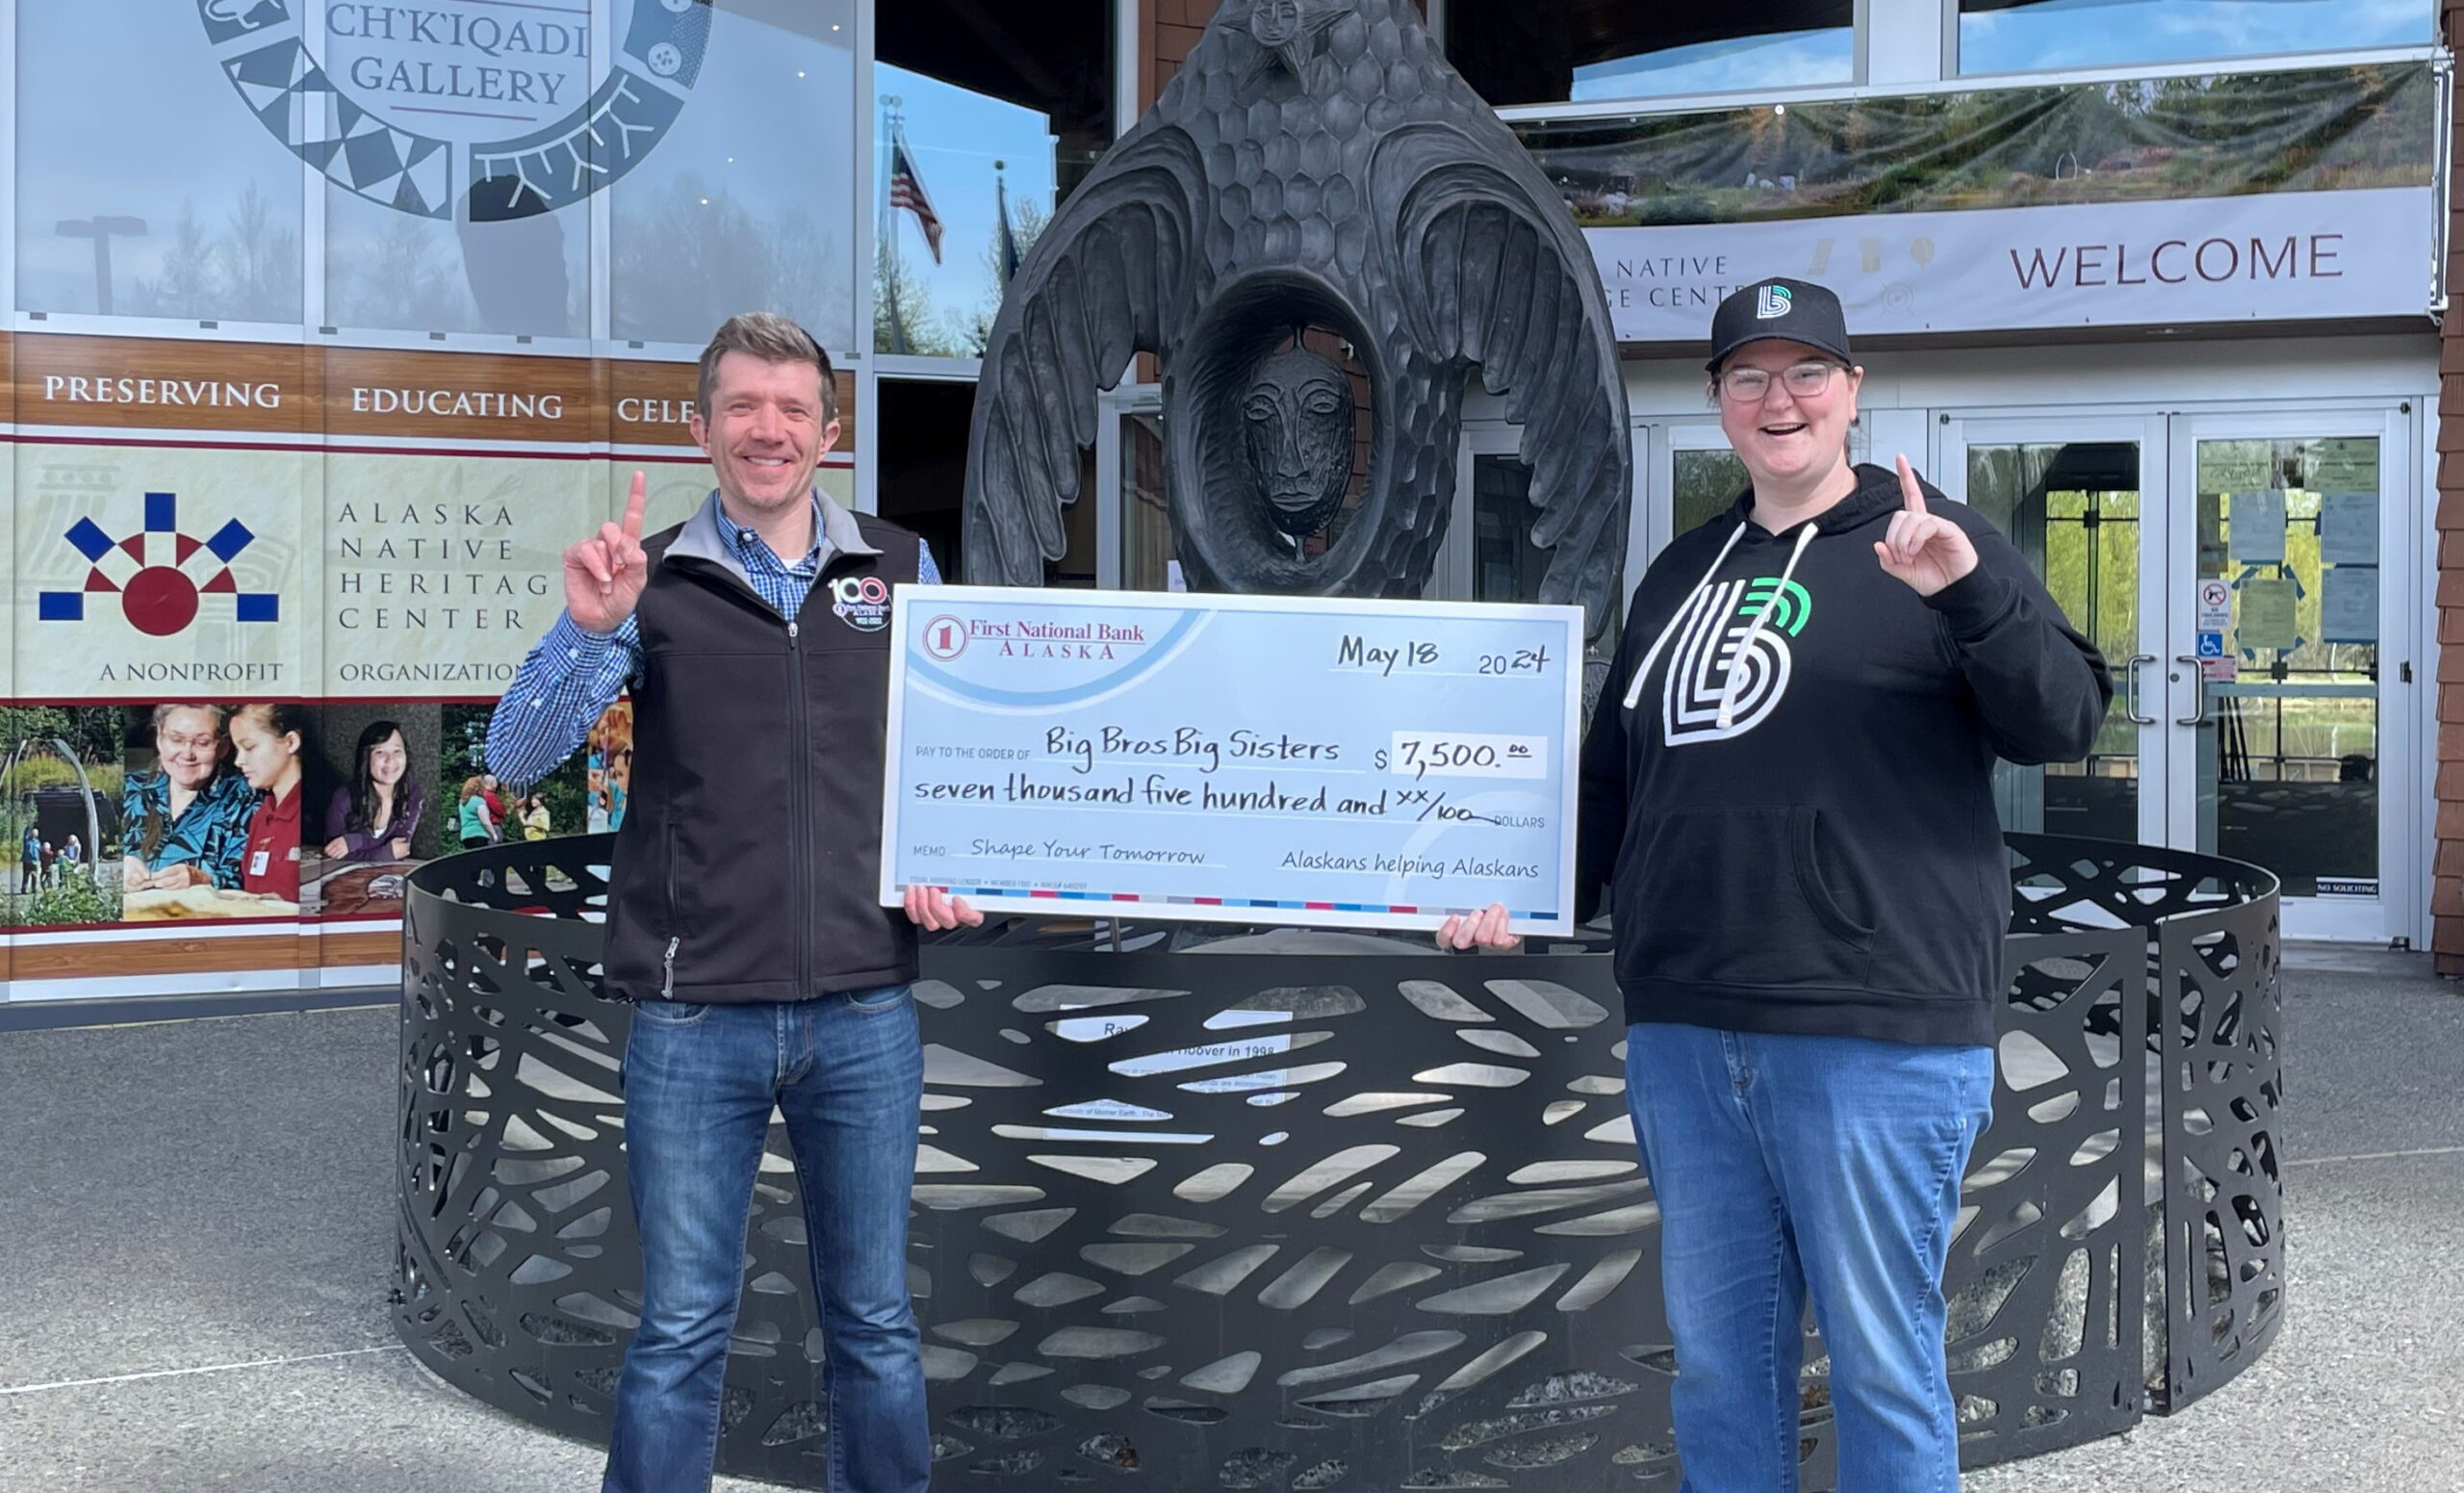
676	934
800	903
673	916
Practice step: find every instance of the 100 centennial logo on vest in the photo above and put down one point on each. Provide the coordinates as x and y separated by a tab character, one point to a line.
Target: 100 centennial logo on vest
421	106
862	602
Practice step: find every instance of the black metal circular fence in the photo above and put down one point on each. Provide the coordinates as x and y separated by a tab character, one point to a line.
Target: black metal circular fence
1309	1211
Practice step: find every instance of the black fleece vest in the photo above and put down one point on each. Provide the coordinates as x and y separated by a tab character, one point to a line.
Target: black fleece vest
748	865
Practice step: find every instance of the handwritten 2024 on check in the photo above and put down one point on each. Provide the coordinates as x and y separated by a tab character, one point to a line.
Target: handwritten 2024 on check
1239	759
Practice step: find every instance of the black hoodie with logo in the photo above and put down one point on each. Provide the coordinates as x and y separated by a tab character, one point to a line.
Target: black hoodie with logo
1792	809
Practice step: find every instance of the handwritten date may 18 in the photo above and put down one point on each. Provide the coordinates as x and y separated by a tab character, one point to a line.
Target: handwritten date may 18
1357	653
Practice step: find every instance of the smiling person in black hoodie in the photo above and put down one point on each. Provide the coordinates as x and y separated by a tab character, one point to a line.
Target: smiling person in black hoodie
1788	795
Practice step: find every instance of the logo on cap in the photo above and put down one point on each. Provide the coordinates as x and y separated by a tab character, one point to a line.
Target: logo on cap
1772	301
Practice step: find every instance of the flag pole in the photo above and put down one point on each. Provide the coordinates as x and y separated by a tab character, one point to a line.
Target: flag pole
1005	246
890	125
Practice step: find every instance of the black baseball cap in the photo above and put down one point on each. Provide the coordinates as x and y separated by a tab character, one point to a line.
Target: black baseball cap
1780	308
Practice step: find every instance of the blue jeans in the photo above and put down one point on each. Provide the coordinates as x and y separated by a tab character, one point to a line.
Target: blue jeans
847	1071
1789	1163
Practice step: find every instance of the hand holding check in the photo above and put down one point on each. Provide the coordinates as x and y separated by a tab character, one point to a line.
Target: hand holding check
1484	929
1925	550
933	909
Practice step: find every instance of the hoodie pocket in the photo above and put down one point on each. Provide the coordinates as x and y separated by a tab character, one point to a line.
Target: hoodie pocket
1735	898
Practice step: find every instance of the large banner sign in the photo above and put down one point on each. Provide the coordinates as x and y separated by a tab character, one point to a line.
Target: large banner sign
2267	196
1233	759
139	576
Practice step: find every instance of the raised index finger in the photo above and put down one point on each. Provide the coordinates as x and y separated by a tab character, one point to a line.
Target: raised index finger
640	496
1911	495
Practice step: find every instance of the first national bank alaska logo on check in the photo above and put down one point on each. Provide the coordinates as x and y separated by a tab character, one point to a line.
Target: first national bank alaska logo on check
415	105
1265	760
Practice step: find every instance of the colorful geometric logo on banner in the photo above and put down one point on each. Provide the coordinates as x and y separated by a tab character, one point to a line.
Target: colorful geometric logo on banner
161	575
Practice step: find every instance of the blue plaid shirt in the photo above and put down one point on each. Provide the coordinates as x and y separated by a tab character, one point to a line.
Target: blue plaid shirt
574	675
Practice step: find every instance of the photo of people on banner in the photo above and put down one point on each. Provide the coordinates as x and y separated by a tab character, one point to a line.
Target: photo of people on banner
474	809
374	784
211	804
60	806
204	809
608	764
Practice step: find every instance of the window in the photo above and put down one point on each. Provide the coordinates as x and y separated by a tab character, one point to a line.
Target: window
1707	484
2025	36
1149	554
750	198
987	120
457	159
145	186
1507	566
1514	52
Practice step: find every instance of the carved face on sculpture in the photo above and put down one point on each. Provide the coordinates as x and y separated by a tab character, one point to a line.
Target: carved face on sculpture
1289	30
1275	22
1298	417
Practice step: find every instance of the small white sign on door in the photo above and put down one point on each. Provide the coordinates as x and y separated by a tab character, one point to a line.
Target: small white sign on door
2215	607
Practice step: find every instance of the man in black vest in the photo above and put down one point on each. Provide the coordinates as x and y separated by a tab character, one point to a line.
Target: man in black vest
741	909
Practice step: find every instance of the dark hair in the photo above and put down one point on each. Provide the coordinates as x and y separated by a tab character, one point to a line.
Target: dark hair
362	819
282	717
773	338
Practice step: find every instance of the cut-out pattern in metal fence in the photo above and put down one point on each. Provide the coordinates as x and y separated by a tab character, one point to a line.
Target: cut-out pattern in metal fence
1220	1218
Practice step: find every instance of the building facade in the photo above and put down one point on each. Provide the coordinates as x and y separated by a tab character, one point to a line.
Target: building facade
331	324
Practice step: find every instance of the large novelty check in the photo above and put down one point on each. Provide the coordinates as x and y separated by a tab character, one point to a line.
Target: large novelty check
1239	759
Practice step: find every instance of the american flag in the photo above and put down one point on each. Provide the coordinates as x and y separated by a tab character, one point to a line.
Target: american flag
907	190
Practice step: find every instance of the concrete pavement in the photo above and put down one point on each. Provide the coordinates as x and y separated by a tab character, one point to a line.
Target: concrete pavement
195	1230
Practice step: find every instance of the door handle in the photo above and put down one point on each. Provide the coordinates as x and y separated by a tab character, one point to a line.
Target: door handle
2130	688
2199	692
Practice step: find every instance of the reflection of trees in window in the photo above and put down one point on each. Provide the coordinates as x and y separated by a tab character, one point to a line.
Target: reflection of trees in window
249	272
405	282
1027	220
2226	135
691	256
388	270
904	317
907	317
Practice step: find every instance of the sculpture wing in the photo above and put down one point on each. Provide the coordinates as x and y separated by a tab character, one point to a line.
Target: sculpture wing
1493	273
1115	273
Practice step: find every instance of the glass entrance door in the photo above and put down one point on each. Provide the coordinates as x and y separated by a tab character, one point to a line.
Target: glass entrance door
2281	656
2083	500
2230	568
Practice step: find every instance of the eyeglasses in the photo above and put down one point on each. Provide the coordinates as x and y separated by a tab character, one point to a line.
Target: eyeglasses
1753	385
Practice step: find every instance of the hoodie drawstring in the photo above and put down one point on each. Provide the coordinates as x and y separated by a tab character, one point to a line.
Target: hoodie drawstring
1634	691
1730	681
